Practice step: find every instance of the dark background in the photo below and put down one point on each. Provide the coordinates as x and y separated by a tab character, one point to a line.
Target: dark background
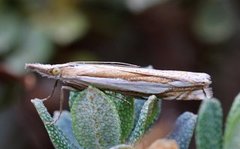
200	35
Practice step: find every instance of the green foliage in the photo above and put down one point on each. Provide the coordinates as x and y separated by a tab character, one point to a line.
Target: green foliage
109	120
183	130
100	120
209	127
138	104
232	131
149	113
96	122
125	108
58	138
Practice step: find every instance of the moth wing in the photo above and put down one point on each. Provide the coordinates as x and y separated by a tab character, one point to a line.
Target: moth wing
121	85
144	88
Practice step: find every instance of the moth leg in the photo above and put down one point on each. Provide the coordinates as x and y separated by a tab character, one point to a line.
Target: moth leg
205	94
52	92
63	88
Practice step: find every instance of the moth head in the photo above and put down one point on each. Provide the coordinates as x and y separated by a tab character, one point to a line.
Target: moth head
50	71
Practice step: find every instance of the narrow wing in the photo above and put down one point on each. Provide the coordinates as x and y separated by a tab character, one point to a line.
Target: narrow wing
165	91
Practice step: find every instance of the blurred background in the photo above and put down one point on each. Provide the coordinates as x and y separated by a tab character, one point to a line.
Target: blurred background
200	35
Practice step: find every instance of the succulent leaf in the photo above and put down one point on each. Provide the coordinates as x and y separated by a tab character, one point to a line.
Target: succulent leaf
148	115
232	131
125	107
58	138
183	130
138	104
209	125
96	123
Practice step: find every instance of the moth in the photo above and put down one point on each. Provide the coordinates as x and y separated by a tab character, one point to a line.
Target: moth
129	79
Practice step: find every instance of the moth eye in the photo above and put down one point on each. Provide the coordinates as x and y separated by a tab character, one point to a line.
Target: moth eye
55	71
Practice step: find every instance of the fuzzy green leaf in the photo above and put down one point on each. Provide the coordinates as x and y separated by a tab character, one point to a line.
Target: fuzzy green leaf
96	123
125	107
73	95
209	125
149	113
232	131
58	138
183	130
138	104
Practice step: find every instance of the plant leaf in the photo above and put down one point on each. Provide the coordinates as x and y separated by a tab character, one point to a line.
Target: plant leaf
96	123
209	125
232	131
125	107
58	138
183	130
149	113
138	104
73	95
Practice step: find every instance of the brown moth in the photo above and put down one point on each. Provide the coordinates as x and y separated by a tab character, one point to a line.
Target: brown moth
129	79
